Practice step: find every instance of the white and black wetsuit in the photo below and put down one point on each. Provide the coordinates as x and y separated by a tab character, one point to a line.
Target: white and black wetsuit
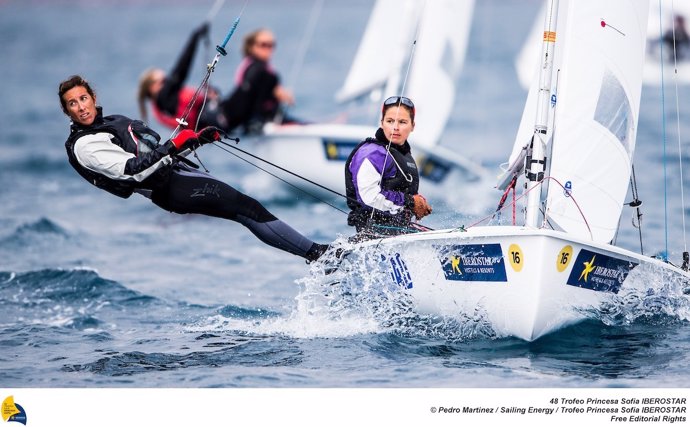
122	156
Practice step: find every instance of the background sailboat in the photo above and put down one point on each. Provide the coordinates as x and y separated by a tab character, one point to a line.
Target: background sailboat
318	152
559	268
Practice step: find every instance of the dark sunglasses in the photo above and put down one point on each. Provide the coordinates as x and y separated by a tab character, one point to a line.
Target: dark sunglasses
264	45
397	100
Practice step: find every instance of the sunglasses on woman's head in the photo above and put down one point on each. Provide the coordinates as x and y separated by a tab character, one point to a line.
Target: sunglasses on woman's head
397	100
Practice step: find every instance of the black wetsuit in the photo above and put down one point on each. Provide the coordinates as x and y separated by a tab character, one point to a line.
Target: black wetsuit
122	156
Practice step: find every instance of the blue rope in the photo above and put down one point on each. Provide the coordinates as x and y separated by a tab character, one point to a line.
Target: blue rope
663	131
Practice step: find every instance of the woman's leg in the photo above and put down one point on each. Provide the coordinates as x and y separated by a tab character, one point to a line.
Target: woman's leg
196	192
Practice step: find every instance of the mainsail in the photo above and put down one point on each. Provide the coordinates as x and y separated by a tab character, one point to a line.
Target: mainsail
436	64
389	32
595	100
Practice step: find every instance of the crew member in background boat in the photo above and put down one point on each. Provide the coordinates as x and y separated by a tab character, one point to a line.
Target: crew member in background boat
258	95
382	176
677	37
170	96
123	156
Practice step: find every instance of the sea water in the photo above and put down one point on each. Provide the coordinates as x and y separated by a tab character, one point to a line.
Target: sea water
96	291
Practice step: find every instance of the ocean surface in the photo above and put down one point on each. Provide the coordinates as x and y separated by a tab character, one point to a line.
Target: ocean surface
96	291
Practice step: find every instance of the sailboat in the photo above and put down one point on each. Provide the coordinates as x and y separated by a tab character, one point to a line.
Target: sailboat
575	156
316	153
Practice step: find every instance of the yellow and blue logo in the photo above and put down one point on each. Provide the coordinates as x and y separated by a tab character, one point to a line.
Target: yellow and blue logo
599	272
339	150
433	169
473	263
13	412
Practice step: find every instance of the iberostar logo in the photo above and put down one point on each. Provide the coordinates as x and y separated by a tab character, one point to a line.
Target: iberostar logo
599	272
12	411
589	267
473	263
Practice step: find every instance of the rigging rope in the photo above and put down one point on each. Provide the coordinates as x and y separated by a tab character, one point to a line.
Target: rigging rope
414	226
663	131
536	185
284	170
680	152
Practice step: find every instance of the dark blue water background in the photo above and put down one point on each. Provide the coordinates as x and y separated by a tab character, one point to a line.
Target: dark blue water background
97	291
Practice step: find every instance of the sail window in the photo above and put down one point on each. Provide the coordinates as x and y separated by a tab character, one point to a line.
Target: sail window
614	112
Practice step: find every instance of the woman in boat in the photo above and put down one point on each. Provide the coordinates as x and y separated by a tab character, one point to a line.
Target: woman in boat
123	156
381	176
258	95
169	95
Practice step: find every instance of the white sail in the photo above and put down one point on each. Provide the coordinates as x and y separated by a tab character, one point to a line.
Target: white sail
381	63
528	57
600	48
436	64
388	33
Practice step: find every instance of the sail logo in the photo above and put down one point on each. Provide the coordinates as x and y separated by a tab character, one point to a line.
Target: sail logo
473	263
568	189
399	272
337	150
13	412
599	272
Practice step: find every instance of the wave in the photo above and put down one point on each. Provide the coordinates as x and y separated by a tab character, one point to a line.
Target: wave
65	286
72	299
41	226
234	351
36	231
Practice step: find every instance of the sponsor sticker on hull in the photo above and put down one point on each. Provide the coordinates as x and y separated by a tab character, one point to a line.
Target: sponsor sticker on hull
473	263
338	150
399	271
599	272
433	169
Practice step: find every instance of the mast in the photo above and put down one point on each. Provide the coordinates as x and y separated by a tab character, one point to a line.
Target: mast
534	169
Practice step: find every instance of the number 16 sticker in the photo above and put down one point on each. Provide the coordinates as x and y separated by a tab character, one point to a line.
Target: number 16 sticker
563	258
515	257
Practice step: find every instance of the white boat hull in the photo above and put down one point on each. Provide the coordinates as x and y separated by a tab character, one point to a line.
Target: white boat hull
526	282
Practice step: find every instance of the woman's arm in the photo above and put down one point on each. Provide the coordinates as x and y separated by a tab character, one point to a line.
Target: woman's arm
168	97
97	153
